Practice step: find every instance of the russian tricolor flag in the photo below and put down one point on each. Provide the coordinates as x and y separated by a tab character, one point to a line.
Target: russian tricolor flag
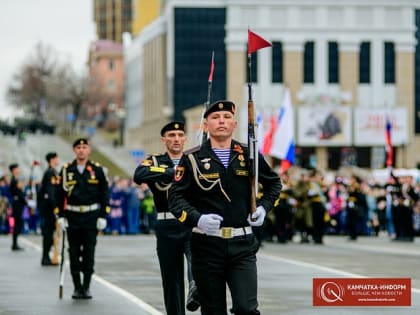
279	140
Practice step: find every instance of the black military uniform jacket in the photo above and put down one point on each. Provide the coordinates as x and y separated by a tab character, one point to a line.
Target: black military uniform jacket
47	195
19	200
88	188
203	185
157	171
356	200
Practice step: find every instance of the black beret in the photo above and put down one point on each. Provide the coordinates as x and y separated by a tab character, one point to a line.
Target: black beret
13	166
174	125
220	106
80	141
50	156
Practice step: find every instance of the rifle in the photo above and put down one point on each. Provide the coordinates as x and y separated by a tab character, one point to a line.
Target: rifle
204	135
255	42
252	146
63	246
31	194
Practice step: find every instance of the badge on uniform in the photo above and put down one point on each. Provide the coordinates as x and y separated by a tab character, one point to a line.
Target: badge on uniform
238	148
206	163
179	173
146	163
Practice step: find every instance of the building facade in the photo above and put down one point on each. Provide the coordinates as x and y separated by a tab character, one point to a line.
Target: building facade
349	65
106	82
112	18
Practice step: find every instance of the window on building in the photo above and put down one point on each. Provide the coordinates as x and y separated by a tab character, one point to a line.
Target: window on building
333	62
111	65
363	155
277	63
389	62
308	63
111	85
334	158
254	66
197	32
364	63
305	157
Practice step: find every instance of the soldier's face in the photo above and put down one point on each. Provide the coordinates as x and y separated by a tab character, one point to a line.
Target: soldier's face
220	124
81	151
174	141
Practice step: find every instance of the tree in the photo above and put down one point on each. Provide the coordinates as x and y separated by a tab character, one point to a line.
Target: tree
46	87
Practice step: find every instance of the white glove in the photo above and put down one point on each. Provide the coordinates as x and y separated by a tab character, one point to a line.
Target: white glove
62	222
31	203
209	223
311	192
101	224
257	218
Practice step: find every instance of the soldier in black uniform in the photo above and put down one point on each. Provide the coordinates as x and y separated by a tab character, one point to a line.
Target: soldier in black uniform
173	238
210	193
356	207
83	199
18	203
46	205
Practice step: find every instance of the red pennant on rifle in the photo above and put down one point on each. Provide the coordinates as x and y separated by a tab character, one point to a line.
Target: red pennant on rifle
256	42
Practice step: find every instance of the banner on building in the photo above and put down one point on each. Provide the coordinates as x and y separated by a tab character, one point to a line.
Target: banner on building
369	126
324	126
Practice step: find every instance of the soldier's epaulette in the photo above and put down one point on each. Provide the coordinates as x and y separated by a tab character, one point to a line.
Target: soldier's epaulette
245	145
192	150
97	164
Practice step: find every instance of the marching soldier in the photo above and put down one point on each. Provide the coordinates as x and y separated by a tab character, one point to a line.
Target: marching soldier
283	211
47	203
210	193
356	207
303	217
318	202
18	203
173	238
83	200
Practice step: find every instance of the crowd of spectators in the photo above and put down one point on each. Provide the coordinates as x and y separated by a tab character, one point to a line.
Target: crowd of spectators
308	207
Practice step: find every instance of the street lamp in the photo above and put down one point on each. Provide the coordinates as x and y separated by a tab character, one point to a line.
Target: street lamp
121	115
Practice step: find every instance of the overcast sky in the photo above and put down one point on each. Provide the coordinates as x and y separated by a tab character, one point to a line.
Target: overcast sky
65	25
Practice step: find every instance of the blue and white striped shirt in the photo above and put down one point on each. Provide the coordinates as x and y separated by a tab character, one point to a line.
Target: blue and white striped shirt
223	155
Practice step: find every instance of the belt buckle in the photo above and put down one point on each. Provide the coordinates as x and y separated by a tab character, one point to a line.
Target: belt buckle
227	232
82	208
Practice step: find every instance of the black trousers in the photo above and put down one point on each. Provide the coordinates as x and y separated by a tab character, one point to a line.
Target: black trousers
48	228
173	242
17	229
82	243
217	262
318	212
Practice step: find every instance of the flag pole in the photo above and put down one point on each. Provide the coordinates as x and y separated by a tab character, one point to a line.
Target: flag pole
252	142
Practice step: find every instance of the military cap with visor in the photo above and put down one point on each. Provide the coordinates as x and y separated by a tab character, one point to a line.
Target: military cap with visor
80	141
173	125
219	106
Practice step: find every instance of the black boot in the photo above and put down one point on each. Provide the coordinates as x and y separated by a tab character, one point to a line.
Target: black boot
86	285
78	290
46	261
15	245
192	299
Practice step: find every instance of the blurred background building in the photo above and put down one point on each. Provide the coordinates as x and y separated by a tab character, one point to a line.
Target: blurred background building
349	65
113	18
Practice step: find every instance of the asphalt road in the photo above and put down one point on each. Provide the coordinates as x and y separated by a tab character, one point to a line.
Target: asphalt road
127	279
